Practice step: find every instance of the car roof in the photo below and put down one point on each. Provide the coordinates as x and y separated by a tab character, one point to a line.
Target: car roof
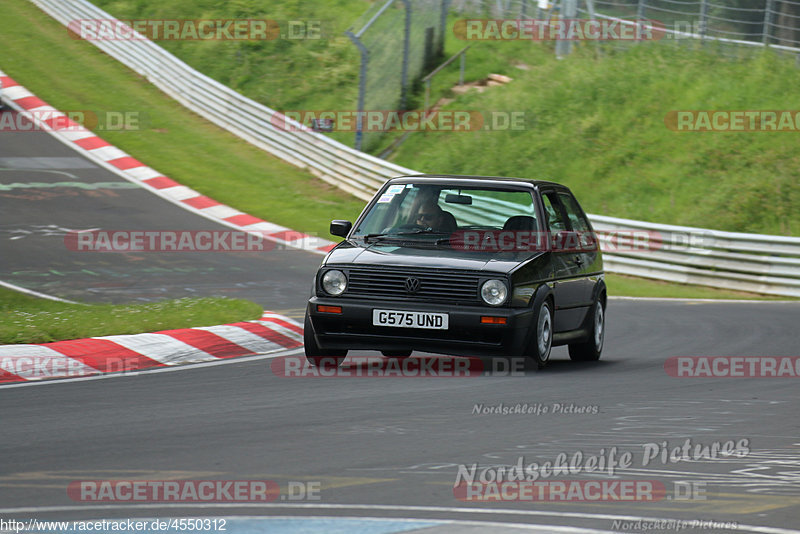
476	180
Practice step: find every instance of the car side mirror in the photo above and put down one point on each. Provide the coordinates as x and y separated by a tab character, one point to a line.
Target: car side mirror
340	228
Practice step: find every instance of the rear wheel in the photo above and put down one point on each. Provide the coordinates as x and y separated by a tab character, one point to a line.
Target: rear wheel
314	354
541	342
590	350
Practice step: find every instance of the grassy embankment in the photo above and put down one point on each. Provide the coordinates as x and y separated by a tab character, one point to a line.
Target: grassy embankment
25	319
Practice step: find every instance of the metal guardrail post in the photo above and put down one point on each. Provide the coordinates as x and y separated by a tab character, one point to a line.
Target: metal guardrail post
640	9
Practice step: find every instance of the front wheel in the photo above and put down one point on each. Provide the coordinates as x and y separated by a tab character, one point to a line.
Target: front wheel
316	356
590	350
542	340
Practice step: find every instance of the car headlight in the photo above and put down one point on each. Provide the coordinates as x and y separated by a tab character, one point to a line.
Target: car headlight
494	292
334	282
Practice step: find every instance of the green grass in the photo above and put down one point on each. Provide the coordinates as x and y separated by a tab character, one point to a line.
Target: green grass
74	75
28	319
629	286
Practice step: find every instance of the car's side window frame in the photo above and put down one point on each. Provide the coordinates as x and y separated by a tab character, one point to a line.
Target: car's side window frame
552	197
580	215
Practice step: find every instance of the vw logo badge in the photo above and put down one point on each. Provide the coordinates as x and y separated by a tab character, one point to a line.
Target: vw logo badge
412	285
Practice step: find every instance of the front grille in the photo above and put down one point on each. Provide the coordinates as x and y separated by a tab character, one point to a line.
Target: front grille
434	285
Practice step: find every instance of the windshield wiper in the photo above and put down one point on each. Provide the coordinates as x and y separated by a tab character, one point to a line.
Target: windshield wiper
421	231
417	231
367	237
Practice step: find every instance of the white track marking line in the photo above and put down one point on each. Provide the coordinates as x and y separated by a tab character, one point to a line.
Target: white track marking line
35	293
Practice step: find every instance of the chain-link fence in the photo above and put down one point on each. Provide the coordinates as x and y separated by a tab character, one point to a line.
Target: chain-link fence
398	40
766	22
774	23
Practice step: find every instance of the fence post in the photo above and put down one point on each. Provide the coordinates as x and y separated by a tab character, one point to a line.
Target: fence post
703	20
640	10
590	9
406	46
362	87
569	10
443	25
767	21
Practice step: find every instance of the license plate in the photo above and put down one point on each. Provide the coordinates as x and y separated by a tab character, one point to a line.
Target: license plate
410	319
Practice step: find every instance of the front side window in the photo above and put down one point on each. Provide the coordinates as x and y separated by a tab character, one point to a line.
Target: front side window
553	214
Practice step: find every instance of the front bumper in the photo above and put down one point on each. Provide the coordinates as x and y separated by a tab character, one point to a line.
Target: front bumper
465	335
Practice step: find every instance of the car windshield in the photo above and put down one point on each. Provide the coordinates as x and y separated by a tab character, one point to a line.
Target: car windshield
421	210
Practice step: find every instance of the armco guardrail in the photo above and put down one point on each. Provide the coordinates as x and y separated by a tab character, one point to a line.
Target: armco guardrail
745	262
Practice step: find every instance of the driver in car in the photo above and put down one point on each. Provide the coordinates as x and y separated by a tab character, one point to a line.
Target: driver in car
430	215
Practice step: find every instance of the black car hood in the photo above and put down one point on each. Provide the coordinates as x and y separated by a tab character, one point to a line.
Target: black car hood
398	255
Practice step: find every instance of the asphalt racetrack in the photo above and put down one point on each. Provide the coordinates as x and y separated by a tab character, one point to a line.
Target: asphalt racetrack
374	453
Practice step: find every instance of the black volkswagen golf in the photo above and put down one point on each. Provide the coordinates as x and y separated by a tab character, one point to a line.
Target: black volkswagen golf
461	265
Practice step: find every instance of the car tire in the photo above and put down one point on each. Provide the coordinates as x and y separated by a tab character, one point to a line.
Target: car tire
541	343
316	356
396	353
590	350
